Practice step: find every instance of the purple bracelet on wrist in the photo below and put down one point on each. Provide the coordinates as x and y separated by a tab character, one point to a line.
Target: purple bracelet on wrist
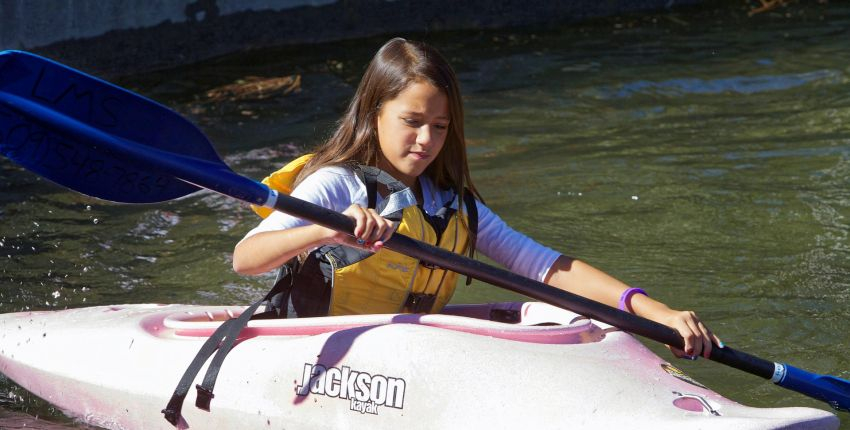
625	298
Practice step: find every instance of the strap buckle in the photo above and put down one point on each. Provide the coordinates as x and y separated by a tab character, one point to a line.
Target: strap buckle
172	416
419	303
205	396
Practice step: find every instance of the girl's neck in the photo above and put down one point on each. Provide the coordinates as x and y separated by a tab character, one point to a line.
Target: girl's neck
410	181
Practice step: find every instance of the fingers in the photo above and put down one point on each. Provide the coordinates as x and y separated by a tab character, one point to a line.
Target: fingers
377	228
371	229
358	214
689	334
679	353
706	339
717	341
699	340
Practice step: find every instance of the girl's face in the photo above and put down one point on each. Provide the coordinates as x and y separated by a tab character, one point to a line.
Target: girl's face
412	130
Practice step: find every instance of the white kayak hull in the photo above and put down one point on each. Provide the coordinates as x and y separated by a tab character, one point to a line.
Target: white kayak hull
116	367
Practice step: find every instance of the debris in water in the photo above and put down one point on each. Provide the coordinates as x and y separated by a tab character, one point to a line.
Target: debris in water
256	88
767	5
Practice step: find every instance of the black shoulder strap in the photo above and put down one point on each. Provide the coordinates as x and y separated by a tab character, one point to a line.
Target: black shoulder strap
369	178
372	176
371	190
382	177
471	214
472	223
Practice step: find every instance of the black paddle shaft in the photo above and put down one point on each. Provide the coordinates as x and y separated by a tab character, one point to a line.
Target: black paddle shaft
525	286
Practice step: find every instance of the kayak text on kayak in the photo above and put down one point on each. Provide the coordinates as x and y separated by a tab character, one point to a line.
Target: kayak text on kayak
365	391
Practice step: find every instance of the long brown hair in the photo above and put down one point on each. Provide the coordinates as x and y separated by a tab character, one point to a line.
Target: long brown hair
398	64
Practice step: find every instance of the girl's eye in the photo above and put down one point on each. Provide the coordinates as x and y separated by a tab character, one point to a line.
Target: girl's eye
415	123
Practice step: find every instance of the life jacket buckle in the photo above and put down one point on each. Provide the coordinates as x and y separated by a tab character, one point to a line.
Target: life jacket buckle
420	302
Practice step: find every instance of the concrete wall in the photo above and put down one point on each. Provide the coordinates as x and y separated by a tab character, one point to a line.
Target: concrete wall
115	37
28	24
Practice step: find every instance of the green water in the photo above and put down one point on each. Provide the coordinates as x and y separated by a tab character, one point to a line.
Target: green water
702	155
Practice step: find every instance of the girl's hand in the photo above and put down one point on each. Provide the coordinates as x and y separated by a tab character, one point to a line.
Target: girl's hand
370	232
698	338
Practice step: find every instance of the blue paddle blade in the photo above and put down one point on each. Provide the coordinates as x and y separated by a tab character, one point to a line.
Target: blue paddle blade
835	391
33	88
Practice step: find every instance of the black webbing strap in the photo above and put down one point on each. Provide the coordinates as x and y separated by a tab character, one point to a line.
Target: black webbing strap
205	390
472	220
175	404
371	177
223	339
371	181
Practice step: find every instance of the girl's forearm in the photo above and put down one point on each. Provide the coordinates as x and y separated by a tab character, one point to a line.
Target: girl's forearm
269	250
581	278
585	280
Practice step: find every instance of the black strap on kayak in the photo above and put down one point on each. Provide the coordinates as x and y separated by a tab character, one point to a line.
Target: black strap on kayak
175	405
223	339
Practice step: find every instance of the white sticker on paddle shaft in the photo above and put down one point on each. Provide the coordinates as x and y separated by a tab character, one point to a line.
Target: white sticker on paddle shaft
365	391
271	199
778	373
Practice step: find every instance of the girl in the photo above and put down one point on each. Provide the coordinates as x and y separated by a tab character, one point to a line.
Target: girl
397	162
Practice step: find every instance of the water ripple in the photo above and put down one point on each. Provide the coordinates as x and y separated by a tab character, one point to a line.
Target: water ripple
736	84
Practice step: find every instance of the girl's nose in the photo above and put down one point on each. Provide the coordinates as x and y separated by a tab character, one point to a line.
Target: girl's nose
423	135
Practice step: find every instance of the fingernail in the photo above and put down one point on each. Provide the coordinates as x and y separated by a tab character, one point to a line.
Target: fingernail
360	241
690	357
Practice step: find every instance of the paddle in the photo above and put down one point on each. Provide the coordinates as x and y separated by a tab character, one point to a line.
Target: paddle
106	142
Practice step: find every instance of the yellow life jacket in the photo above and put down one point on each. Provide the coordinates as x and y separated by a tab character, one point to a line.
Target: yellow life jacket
282	180
340	280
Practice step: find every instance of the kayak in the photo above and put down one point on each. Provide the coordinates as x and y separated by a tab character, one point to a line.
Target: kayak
174	159
502	365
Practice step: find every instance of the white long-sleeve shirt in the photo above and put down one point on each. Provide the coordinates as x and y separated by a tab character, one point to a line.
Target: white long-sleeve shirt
337	188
